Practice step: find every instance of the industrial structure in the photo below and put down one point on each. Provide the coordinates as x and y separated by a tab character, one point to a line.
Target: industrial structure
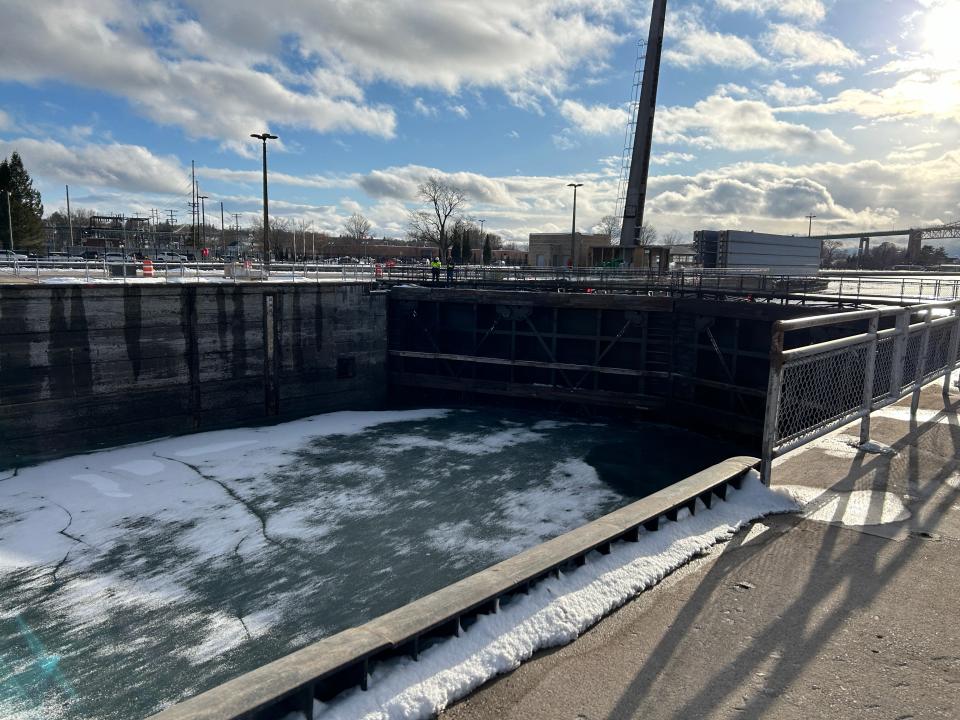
646	103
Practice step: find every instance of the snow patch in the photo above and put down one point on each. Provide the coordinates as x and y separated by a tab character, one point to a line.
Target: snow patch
102	485
554	613
215	448
847	447
755	531
143	468
856	509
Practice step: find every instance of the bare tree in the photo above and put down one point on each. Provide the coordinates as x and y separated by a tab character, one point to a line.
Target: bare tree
610	226
672	237
444	202
357	227
647	236
830	252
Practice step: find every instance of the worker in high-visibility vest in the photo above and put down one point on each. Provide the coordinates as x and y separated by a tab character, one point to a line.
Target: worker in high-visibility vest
435	268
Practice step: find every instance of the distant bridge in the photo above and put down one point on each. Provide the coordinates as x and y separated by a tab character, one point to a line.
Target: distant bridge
915	237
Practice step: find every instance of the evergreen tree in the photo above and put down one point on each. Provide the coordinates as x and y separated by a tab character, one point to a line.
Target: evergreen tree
455	248
25	206
465	250
487	251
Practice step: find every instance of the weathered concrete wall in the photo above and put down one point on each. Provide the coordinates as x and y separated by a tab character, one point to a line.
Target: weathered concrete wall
83	367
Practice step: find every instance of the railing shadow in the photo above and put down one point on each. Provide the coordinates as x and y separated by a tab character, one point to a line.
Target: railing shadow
845	568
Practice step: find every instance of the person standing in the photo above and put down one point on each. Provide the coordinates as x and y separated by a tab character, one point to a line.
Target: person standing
435	269
451	270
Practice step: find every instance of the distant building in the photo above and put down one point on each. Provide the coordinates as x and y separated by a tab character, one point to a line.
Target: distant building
554	250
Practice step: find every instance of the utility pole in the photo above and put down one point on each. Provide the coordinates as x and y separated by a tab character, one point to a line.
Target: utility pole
171	221
193	205
810	225
573	229
69	217
203	221
266	214
223	238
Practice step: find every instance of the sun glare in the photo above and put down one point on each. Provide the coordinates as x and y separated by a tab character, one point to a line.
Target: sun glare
940	34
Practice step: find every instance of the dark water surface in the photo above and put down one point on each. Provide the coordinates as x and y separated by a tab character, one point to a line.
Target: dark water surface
135	577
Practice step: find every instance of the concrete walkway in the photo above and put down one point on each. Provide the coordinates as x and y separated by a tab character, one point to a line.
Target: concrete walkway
794	617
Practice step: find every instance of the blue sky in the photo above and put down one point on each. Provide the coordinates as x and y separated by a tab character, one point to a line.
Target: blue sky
768	109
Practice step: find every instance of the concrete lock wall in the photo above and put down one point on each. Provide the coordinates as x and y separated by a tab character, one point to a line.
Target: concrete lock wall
84	367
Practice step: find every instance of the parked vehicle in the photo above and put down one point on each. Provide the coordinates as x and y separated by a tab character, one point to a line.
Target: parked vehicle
10	255
170	257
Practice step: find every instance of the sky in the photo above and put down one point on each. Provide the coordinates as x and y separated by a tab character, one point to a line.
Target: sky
768	110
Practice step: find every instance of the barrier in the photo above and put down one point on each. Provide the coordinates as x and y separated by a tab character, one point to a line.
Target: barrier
817	388
147	267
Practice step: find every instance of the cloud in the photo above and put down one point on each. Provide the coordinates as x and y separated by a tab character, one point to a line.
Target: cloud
130	168
828	77
853	196
786	95
723	122
693	45
920	94
594	119
170	60
671	158
101	45
914	152
6	122
459	110
810	11
421	108
803	48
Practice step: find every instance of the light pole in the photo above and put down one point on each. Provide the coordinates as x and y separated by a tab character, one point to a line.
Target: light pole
266	213
573	229
810	225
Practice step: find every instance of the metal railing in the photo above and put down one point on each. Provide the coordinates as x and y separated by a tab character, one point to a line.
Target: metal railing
43	271
756	284
817	388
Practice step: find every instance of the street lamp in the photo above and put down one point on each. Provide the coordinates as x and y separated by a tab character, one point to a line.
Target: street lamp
266	213
573	229
810	225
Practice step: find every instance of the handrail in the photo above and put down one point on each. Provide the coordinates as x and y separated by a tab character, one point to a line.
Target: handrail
806	401
344	660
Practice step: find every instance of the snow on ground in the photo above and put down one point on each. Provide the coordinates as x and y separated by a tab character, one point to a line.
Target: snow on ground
856	508
134	577
554	613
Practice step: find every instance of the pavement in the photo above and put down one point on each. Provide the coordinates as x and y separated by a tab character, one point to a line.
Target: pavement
794	617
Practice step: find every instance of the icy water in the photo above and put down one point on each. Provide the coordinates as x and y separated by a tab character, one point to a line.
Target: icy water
135	577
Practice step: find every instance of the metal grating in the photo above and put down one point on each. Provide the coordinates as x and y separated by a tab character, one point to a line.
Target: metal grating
820	390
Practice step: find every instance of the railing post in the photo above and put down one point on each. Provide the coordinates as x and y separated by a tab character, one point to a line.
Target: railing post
900	340
921	364
869	371
951	352
774	387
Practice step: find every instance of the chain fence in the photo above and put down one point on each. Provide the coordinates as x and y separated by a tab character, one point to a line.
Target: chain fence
816	388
